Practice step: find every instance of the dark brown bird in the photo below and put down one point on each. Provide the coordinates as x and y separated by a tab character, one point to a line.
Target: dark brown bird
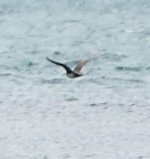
72	73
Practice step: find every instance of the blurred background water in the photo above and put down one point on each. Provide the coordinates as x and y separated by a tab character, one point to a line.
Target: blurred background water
105	113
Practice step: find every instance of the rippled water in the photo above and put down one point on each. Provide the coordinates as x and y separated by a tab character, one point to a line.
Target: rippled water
103	114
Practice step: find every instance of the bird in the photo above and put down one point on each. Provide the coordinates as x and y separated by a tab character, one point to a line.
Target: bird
69	72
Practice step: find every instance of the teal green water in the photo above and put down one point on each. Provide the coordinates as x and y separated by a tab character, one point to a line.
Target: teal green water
103	114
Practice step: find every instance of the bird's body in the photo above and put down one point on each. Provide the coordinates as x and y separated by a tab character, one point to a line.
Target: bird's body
71	73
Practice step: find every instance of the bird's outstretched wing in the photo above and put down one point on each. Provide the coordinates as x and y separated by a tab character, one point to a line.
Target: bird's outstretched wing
68	70
84	62
80	65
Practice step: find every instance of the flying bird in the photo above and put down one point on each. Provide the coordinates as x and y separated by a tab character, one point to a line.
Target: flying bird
69	72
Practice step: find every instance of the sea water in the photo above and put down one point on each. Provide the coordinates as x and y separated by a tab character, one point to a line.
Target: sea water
103	114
